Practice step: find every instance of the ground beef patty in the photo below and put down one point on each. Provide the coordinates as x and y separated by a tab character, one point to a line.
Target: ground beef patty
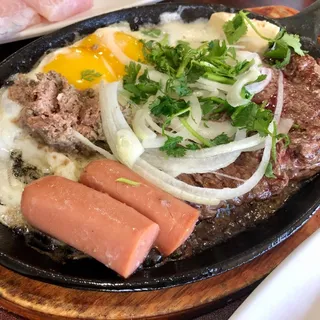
300	160
52	109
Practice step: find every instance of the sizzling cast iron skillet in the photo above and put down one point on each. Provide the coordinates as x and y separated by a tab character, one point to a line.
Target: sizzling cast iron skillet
15	254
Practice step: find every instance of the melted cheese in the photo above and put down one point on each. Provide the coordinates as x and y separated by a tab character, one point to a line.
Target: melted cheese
44	159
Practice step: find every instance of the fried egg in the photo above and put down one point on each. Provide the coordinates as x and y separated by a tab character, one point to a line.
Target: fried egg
99	56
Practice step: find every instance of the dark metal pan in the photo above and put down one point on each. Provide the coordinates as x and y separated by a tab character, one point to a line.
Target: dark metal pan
88	274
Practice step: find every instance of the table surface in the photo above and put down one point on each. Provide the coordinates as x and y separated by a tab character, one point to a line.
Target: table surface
223	314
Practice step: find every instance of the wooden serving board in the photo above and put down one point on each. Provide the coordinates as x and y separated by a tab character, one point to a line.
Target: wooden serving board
37	300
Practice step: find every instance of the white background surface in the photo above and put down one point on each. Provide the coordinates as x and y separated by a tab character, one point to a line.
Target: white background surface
99	7
291	291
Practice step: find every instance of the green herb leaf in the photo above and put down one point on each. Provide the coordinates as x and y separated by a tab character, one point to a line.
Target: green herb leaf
286	138
166	106
90	75
206	142
236	28
220	139
129	182
279	48
173	148
243	66
192	146
165	58
252	117
140	87
293	41
259	79
132	71
153	33
279	52
195	72
245	94
212	106
178	87
216	49
232	53
169	119
269	171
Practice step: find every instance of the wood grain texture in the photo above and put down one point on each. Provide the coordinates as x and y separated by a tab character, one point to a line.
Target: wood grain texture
36	300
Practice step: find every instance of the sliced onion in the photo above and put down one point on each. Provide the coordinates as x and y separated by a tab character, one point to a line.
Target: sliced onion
112	122
140	127
237	145
154	143
158	76
234	95
255	148
176	166
194	119
240	144
211	86
107	102
176	125
257	87
285	125
122	141
200	195
171	185
227	176
128	146
152	124
212	129
92	146
280	96
277	114
248	55
210	196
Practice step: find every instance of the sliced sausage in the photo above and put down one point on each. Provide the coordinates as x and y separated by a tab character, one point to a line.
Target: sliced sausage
91	221
175	218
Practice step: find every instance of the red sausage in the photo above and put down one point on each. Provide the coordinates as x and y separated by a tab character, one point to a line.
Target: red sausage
175	218
91	221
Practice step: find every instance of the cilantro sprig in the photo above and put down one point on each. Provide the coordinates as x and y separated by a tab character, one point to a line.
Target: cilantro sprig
252	117
235	28
210	61
279	49
173	147
90	75
276	137
140	86
166	106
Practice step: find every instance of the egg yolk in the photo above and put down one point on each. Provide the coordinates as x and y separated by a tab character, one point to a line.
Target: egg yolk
130	46
94	44
81	67
90	61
